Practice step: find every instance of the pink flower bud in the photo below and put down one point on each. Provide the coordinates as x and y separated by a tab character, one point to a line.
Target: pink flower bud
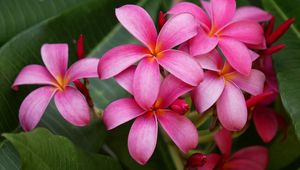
196	160
80	47
180	106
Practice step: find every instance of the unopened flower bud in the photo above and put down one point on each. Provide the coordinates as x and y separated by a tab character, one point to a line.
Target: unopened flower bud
80	47
161	19
180	106
196	160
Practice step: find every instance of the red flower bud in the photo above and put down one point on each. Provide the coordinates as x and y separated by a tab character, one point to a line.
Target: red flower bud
180	106
280	31
80	47
83	89
196	160
273	49
270	27
161	19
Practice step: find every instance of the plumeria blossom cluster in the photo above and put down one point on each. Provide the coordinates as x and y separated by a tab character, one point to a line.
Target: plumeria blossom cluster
219	55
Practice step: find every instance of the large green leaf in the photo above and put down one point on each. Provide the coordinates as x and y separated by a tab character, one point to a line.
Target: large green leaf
9	158
40	149
287	62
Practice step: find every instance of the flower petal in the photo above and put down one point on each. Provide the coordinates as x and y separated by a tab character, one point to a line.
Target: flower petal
142	138
146	82
256	154
212	161
253	84
72	106
242	164
125	78
202	43
265	122
224	141
180	129
170	89
210	61
34	105
253	55
139	23
55	58
207	7
121	111
196	11
182	66
176	30
239	58
208	91
84	68
249	32
119	58
251	13
34	74
231	108
222	12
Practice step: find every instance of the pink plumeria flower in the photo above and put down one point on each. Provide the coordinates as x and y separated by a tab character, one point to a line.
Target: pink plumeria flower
69	101
223	86
226	28
158	52
249	158
143	133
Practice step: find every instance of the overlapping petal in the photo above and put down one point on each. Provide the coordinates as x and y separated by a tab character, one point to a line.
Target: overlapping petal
222	12
253	84
224	141
180	129
142	138
176	30
170	89
34	74
197	12
72	106
125	78
251	13
212	161
202	43
265	122
210	61
139	23
121	111
84	68
237	55
55	58
146	82
245	31
231	108
119	58
34	105
208	91
182	66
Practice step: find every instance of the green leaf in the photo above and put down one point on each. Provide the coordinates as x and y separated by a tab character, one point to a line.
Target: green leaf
40	149
9	158
287	62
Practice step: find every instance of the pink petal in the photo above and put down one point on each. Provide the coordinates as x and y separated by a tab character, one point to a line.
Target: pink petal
241	164
170	89
256	154
265	122
176	30
185	47
146	82
182	66
224	141
253	84
125	78
72	106
208	91
197	12
121	111
222	12
180	129
210	61
119	58
253	55
84	68
142	138
239	58
207	7
231	108
34	74
55	58
202	43
246	31
251	13
212	161
139	23
34	105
